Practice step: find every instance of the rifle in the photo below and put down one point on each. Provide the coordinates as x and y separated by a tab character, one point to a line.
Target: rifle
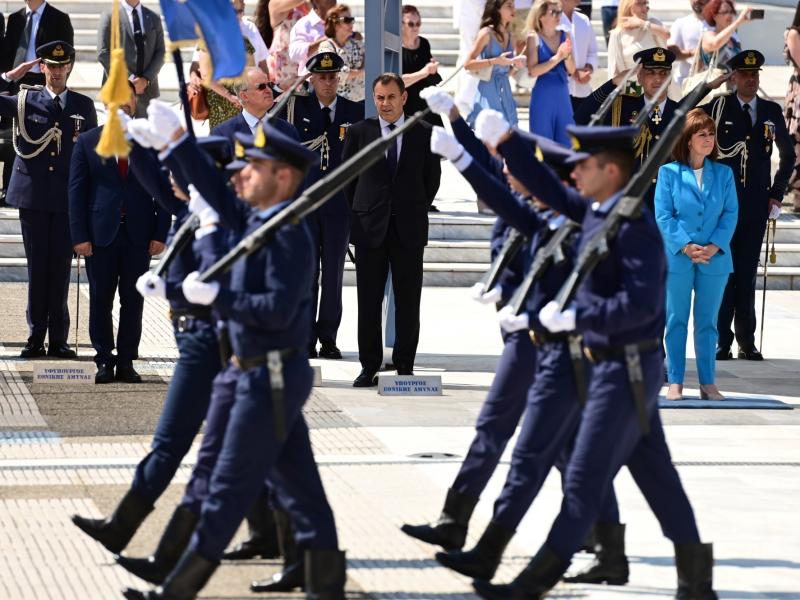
179	241
630	202
550	253
606	105
508	251
649	104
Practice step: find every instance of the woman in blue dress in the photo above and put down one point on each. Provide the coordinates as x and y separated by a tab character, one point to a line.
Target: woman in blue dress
492	59
550	60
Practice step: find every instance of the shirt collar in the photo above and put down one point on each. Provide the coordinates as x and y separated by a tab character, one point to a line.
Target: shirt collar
661	105
265	214
332	105
129	9
62	96
313	18
752	103
38	11
385	124
606	206
250	119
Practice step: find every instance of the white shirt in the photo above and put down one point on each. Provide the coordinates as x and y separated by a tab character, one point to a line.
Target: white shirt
584	49
251	120
685	33
129	11
698	174
304	33
332	106
385	131
62	97
752	104
30	53
250	31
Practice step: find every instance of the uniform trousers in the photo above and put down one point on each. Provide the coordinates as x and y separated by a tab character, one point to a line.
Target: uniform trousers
184	409
739	300
48	248
500	413
331	235
117	265
610	436
251	452
708	290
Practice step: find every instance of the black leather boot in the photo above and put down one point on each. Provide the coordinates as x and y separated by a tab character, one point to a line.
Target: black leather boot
174	540
117	530
450	531
184	583
610	564
541	574
695	564
293	574
588	544
482	561
326	574
263	540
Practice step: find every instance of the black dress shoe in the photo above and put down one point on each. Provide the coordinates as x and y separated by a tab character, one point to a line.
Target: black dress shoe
33	350
724	353
366	379
389	366
127	374
750	354
405	371
330	351
312	351
105	373
61	350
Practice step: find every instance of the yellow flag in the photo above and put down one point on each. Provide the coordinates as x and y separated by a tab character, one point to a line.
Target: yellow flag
115	91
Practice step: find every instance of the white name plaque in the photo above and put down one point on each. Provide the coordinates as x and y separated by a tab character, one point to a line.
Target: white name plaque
64	372
410	385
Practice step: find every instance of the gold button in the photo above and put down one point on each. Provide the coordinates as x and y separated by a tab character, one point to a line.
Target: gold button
747	137
49	168
742	179
658	136
52	154
56	123
654	180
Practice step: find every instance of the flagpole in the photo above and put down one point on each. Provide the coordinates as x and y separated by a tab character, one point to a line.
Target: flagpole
182	90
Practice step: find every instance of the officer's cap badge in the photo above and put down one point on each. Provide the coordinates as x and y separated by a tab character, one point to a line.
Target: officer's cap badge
576	145
326	62
58	51
750	60
659	55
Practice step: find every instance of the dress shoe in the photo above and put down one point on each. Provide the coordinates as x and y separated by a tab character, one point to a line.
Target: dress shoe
61	350
117	530
750	354
450	531
312	351
291	578
724	353
366	379
405	371
389	366
127	374
105	373
710	392
675	392
330	351
33	350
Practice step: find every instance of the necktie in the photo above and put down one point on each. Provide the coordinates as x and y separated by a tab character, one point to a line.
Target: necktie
57	103
138	39
749	112
24	40
326	117
122	165
391	153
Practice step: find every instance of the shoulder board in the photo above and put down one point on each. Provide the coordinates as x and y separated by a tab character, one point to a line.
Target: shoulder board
34	88
631	94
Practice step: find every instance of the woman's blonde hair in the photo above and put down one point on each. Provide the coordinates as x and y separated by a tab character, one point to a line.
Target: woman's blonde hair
533	22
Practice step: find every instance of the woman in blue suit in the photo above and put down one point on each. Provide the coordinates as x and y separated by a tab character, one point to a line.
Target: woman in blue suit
696	211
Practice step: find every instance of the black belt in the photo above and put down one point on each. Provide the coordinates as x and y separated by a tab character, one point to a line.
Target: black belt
540	338
633	363
184	319
274	362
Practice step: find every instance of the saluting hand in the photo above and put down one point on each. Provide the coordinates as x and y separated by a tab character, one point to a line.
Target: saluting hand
21	69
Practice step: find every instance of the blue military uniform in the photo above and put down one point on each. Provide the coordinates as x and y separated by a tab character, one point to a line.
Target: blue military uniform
323	129
746	145
38	187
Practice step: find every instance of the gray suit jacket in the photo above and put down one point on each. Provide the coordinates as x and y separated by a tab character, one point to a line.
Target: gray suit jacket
153	50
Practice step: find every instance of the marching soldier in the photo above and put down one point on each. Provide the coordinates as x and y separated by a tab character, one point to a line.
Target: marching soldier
748	127
656	68
322	119
47	123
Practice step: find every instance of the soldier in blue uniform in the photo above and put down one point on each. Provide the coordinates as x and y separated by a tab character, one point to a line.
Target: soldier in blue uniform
619	310
266	306
322	119
46	126
656	67
748	127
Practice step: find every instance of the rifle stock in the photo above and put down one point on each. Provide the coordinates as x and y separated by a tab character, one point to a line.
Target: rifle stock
510	249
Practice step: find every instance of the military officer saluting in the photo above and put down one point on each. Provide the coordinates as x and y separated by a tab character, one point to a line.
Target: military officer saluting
322	118
747	129
47	123
656	68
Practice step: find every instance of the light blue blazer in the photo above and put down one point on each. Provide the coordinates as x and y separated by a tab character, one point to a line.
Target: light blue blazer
686	214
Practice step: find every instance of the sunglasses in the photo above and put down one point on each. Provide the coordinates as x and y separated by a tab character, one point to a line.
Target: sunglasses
347	20
555	12
262	86
412	24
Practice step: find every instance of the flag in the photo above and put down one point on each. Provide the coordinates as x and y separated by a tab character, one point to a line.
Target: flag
180	23
222	35
115	91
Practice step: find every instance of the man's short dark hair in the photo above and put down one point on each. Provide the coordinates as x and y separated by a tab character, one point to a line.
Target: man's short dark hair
622	158
387	78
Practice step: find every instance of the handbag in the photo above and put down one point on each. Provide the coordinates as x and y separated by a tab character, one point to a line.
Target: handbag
198	104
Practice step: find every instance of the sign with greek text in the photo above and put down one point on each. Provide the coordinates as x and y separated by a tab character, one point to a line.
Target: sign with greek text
410	385
66	372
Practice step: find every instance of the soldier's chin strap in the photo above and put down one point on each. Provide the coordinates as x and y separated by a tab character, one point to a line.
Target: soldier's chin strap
739	147
18	129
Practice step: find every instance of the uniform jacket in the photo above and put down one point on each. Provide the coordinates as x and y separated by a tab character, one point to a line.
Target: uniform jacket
754	184
376	194
685	213
308	120
40	182
98	194
54	25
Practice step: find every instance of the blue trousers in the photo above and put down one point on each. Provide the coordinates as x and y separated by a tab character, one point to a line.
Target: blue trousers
184	410
609	436
499	414
708	290
251	453
117	265
331	234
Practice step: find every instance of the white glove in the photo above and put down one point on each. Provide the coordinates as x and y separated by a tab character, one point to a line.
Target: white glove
509	322
198	292
774	211
490	126
151	285
139	131
439	101
124	118
164	121
491	297
556	320
199	206
445	144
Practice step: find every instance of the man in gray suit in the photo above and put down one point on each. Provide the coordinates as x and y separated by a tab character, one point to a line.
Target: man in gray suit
143	41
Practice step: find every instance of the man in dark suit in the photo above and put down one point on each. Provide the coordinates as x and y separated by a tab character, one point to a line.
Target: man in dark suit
143	42
322	119
47	128
747	129
389	226
117	226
